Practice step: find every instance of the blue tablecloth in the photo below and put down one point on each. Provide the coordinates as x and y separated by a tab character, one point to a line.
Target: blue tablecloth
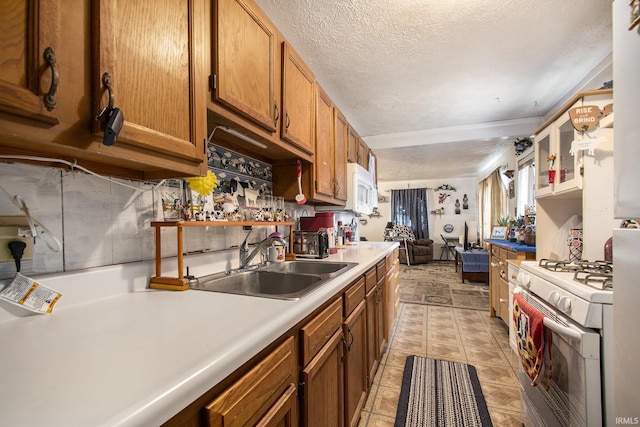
474	260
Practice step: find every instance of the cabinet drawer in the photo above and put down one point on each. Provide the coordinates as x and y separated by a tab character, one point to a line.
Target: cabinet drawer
353	296
371	279
318	330
260	388
381	269
495	251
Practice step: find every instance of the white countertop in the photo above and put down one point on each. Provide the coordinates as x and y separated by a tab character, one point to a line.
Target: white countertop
139	357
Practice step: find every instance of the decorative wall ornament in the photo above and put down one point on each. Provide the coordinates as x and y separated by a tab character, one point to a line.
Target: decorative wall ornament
443	192
521	144
465	202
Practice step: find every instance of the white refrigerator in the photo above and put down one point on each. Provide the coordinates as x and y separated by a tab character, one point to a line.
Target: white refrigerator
626	242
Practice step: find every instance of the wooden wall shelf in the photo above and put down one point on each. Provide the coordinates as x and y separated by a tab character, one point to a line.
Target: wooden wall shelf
181	283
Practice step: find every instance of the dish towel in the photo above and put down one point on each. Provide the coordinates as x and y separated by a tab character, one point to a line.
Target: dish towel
533	340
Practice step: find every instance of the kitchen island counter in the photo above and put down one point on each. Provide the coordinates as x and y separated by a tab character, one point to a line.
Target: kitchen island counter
141	356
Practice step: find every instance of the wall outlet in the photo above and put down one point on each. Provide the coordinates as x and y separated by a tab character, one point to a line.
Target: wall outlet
14	228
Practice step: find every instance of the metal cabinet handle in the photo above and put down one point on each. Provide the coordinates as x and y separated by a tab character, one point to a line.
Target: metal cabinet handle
345	348
287	122
49	98
352	339
277	113
106	81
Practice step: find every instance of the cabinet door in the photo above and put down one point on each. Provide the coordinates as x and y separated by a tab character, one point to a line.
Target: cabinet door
494	287
380	316
568	176
363	154
323	398
543	150
353	146
355	366
261	394
324	154
297	100
372	343
153	55
244	62
341	138
29	40
284	412
504	301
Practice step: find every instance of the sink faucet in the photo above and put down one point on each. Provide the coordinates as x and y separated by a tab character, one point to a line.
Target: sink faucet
246	257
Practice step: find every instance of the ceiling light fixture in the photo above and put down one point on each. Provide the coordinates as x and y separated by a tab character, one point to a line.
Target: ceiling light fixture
243	137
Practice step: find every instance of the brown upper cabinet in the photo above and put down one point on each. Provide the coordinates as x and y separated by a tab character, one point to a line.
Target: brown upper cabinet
324	158
324	180
152	56
259	85
363	154
298	85
244	49
152	53
29	73
353	146
341	130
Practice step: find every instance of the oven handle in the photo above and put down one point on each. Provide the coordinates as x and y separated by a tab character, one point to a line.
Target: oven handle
563	331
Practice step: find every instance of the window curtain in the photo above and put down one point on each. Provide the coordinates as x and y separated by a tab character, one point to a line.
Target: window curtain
493	202
409	207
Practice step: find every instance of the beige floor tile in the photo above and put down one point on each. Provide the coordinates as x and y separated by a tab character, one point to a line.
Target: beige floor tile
378	375
411	333
502	396
386	401
417	347
364	419
397	358
377	420
443	336
392	376
368	405
505	418
486	356
443	351
496	374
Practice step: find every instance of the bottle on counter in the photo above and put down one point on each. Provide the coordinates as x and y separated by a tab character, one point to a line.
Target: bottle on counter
340	235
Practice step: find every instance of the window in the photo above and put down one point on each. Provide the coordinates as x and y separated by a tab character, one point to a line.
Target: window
526	185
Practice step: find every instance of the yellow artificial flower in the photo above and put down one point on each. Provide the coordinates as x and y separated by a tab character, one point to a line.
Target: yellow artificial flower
203	185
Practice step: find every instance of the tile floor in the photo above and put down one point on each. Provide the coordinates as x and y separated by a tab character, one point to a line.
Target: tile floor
455	334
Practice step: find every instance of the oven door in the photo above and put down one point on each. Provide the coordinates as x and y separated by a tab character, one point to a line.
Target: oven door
574	395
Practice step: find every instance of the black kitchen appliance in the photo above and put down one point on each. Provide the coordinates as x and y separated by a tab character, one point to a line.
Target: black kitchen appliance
311	244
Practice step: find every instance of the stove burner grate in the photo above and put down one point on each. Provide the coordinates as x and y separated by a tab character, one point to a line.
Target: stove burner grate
601	280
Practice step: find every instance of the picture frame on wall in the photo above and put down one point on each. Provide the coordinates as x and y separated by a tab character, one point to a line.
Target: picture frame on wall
499	232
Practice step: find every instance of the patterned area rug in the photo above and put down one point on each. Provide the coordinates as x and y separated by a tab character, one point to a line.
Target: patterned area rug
438	283
439	393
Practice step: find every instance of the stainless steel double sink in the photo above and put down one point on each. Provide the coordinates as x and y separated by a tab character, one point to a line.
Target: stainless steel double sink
289	280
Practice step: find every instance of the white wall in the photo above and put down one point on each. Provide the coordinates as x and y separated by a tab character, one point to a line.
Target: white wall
101	223
374	228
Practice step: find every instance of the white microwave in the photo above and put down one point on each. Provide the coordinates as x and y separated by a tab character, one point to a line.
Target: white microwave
362	195
361	191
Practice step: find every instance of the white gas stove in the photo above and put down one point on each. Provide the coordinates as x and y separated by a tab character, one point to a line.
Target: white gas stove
563	286
577	301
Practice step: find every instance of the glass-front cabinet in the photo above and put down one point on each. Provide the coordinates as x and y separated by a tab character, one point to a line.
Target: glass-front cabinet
558	170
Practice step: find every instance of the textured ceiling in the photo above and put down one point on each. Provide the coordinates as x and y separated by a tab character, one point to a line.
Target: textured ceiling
454	74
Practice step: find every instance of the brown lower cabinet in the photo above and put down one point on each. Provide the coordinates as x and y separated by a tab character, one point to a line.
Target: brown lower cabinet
265	396
318	374
354	329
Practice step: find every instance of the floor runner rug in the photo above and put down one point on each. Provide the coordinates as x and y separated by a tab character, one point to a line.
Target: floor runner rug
439	393
438	283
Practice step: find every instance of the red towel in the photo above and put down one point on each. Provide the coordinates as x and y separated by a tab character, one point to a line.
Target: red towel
534	341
